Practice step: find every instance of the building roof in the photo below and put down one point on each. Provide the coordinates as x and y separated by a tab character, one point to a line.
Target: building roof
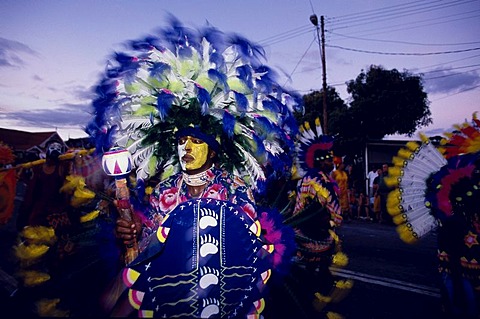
24	141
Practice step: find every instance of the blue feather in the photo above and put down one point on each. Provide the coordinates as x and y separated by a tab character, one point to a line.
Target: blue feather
215	37
152	119
185	52
241	102
291	123
260	148
107	88
141	45
179	38
265	83
203	98
220	77
159	68
128	66
228	124
265	126
245	75
282	109
270	106
218	59
164	102
261	187
248	50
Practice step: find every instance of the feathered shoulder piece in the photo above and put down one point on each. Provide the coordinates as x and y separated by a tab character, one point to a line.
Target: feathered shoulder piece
309	141
183	77
465	139
432	184
413	166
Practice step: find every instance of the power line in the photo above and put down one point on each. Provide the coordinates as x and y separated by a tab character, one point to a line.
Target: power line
448	75
380	10
404	42
449	69
403	53
401	27
298	63
453	61
395	14
459	92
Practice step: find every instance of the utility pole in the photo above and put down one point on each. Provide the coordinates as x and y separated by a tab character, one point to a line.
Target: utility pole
321	43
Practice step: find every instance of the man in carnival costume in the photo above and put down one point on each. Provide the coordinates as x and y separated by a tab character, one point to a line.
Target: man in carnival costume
440	189
198	107
44	204
314	217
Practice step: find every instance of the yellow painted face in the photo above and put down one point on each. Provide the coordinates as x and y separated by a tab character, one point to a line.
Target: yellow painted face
192	152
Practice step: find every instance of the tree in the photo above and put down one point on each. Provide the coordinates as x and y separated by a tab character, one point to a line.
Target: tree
388	102
383	102
314	108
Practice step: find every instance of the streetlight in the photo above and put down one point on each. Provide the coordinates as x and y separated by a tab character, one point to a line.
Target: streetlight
321	47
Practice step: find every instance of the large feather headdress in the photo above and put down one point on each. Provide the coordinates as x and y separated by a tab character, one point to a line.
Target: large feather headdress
309	142
202	78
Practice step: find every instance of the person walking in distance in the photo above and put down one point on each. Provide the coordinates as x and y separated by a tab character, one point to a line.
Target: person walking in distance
382	191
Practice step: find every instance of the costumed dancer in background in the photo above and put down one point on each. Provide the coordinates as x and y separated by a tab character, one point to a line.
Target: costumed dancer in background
443	193
315	216
44	204
67	242
198	111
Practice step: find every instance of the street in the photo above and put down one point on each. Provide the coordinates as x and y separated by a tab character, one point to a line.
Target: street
391	278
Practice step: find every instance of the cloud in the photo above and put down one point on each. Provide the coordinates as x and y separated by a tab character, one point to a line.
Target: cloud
69	115
450	81
11	53
37	78
82	93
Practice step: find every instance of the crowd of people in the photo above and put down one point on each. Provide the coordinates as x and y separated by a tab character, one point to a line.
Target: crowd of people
358	202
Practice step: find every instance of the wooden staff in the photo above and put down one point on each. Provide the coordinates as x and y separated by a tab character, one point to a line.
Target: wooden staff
118	163
63	157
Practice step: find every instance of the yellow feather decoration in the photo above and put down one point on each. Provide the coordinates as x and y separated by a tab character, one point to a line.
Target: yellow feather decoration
340	259
33	278
399	219
424	138
334	315
406	234
39	234
90	216
341	290
392	181
393	202
306	125
320	301
84	193
398	161
48	308
412	146
148	190
77	202
24	252
72	182
404	153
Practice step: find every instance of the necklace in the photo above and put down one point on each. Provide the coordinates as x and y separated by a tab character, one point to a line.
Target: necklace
195	179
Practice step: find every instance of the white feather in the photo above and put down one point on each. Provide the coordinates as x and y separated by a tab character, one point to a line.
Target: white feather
412	184
251	164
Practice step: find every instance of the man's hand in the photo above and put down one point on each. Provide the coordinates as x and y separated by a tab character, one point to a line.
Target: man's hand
128	230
